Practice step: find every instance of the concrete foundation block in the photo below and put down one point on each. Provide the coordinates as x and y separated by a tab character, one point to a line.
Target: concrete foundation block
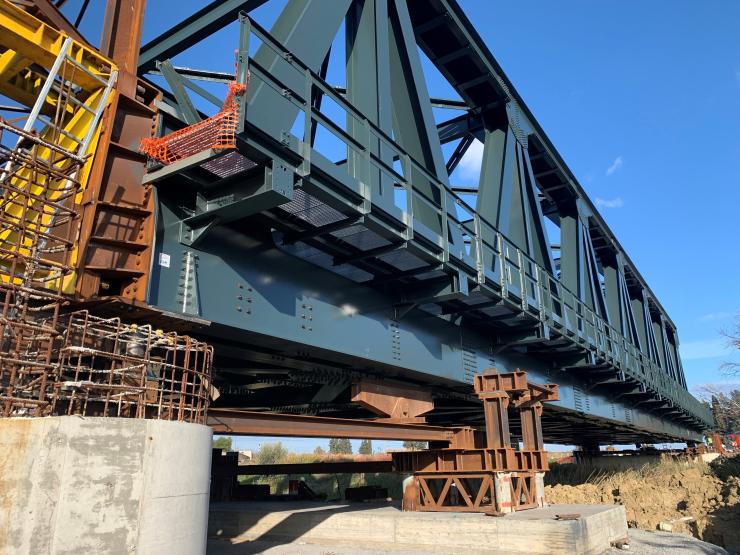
531	532
502	491
539	489
103	485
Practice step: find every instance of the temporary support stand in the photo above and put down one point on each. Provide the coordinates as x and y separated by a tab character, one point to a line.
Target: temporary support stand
495	478
465	470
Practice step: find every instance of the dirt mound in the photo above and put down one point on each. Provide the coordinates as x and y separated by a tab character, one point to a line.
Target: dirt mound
669	496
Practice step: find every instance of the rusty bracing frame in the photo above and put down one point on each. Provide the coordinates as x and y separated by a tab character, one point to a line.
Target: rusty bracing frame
485	475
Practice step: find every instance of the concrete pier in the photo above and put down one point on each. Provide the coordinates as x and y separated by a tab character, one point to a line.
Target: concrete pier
534	531
103	485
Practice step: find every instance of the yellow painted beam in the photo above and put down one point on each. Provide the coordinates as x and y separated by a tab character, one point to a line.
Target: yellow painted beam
41	44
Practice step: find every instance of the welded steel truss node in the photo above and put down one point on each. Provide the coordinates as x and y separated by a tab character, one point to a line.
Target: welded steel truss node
495	477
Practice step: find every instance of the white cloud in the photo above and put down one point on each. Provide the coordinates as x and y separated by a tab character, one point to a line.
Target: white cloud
471	162
705	348
714	316
618	163
615	202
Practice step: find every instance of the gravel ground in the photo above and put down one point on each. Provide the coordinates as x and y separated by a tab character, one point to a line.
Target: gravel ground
641	543
664	543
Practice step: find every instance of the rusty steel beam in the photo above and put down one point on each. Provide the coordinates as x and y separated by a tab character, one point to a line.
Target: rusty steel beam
339	467
249	423
397	402
49	13
122	26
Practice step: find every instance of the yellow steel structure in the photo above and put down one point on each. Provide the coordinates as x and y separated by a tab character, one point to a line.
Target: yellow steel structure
82	87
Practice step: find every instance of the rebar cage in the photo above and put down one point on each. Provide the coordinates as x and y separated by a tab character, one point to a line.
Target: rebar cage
108	368
62	362
29	332
78	364
38	219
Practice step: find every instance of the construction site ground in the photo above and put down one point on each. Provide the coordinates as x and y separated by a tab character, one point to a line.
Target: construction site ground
641	542
694	499
383	527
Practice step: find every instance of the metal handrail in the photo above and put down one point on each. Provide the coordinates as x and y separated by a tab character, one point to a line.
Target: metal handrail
565	310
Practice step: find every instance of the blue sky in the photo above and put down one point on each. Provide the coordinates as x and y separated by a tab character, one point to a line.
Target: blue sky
642	99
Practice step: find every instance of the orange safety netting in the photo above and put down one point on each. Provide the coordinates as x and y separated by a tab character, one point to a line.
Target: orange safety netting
217	132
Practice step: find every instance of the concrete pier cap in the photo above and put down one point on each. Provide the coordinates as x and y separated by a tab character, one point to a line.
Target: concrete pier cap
71	484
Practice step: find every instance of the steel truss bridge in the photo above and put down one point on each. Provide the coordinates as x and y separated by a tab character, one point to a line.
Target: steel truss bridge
331	245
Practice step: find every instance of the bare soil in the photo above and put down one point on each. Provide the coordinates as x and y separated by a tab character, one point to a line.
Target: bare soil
695	499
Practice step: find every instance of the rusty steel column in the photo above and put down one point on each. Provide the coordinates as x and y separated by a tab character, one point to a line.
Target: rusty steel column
496	412
532	427
122	26
117	229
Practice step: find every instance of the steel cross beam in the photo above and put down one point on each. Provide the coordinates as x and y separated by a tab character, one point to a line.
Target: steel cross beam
329	467
251	423
206	21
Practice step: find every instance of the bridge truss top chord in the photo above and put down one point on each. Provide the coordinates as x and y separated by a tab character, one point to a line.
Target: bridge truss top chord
333	242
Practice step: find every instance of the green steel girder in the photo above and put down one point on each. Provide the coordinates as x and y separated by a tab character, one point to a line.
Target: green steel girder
205	22
488	268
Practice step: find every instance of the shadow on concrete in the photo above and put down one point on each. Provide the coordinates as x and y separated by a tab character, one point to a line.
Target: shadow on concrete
230	520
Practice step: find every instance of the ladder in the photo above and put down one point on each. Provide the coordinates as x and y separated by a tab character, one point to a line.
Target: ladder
71	86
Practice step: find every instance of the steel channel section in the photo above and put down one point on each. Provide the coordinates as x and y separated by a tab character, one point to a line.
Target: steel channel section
269	424
264	295
330	467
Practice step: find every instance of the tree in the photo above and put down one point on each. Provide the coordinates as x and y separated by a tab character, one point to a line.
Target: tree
340	446
271	453
366	447
319	450
725	407
414	445
732	367
223	443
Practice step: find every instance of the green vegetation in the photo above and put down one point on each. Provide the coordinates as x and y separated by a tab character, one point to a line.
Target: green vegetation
573	474
366	447
223	443
340	446
414	445
271	453
332	485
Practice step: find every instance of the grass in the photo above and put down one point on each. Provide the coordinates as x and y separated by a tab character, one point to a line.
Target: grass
572	474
